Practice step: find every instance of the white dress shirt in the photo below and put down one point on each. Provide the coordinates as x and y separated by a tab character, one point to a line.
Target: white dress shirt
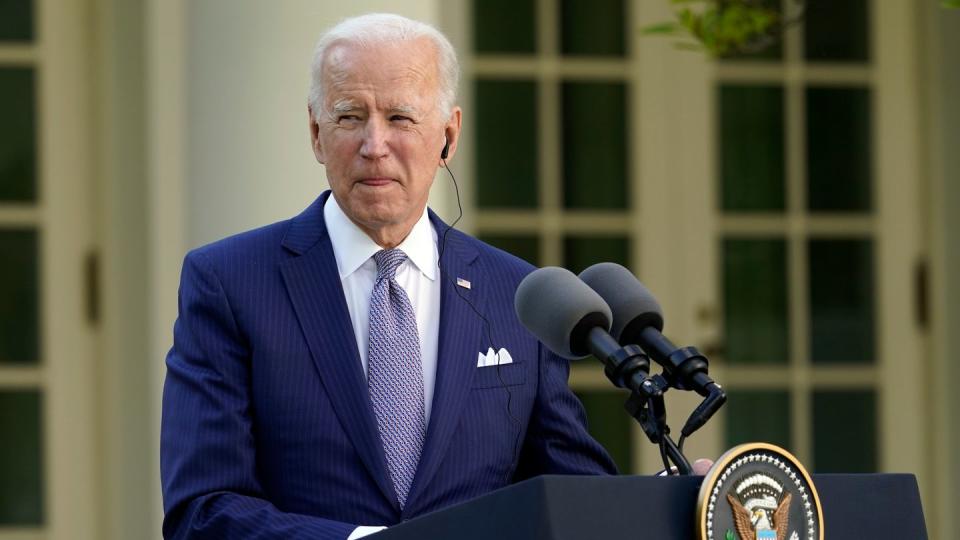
418	275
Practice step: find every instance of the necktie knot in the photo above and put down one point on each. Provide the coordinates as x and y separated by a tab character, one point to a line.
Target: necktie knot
388	260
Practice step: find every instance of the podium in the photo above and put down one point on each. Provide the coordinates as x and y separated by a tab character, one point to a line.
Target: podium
874	506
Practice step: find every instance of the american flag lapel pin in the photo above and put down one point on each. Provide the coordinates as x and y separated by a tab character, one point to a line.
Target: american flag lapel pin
463	283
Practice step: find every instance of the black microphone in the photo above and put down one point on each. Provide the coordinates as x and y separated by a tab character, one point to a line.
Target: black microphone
573	321
561	311
638	319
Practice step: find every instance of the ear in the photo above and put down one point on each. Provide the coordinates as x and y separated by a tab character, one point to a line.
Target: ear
451	131
315	135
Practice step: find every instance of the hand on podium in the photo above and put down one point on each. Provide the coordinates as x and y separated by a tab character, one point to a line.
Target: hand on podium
702	466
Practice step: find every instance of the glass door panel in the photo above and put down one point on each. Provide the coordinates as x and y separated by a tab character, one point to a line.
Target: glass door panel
22	419
796	214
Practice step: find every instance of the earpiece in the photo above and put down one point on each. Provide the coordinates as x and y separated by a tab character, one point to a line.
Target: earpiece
446	149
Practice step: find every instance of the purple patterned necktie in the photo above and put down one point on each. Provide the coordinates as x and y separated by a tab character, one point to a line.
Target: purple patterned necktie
395	375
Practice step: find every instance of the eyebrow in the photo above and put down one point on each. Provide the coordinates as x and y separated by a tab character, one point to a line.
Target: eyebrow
344	105
348	105
404	109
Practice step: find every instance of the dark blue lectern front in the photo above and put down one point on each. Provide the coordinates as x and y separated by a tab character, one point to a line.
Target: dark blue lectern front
874	506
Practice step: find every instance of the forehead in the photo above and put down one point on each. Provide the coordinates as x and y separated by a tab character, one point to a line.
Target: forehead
404	69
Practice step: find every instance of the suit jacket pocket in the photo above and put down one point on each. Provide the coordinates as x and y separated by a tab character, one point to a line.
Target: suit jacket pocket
509	375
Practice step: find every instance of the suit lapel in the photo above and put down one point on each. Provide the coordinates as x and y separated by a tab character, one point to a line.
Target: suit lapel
316	293
460	336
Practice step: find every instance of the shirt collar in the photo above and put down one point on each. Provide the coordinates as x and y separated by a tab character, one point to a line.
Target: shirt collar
352	247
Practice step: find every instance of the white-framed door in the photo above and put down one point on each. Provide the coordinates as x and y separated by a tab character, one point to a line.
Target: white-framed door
773	205
806	298
809	302
48	365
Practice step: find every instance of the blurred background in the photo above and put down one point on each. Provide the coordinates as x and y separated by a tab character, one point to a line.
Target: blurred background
791	208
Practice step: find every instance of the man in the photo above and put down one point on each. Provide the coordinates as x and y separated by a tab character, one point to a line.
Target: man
330	373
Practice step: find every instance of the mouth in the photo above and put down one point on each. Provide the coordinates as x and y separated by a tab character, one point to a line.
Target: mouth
376	181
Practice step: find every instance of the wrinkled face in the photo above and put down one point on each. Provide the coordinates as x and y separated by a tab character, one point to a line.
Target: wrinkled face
381	131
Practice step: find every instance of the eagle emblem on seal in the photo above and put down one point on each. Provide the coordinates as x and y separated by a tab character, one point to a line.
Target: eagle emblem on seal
761	508
758	491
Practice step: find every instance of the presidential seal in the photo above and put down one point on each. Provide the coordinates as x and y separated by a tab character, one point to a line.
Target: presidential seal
758	491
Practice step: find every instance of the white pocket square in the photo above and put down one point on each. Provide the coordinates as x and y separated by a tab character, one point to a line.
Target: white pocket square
492	358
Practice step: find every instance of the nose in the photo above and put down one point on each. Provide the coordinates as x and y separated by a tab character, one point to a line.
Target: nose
375	140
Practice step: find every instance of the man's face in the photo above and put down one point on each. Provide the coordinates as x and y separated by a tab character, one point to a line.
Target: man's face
380	132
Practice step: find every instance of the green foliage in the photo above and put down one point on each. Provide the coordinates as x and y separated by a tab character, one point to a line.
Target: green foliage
729	535
727	27
723	27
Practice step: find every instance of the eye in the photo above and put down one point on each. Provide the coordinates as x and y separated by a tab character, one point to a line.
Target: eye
348	118
400	118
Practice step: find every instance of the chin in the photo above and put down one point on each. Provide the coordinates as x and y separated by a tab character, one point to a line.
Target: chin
376	216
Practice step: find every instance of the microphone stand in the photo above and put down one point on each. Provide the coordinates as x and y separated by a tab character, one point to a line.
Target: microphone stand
629	367
648	408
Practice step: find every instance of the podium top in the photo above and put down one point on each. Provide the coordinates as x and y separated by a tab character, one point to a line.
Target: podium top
875	506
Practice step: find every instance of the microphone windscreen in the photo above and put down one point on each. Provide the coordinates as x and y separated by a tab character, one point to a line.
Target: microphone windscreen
560	310
634	307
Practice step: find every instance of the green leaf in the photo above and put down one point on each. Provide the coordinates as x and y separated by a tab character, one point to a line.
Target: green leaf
951	4
722	27
729	535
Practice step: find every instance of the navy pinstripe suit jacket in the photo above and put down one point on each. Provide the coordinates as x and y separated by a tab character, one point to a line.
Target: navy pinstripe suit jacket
268	431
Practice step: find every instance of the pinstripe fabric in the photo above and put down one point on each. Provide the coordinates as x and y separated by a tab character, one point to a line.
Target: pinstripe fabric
268	431
395	379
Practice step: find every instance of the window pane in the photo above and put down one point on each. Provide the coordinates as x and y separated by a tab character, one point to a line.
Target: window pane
836	30
16	20
504	26
841	301
21	461
525	247
583	251
758	416
844	431
610	424
838	149
18	151
755	300
593	28
506	144
751	148
595	145
19	310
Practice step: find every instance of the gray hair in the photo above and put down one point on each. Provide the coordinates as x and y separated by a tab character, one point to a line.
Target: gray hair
375	28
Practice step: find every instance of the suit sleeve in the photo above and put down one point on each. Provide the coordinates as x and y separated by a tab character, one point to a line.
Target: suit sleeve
557	441
207	449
